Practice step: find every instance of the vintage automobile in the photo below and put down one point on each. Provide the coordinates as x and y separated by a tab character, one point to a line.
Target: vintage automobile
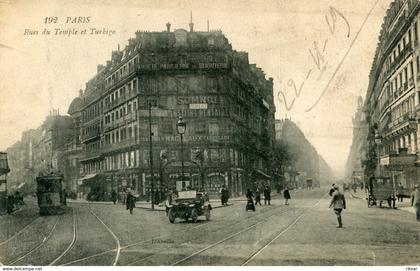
189	204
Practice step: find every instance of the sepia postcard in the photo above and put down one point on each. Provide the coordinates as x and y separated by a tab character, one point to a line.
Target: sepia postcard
225	133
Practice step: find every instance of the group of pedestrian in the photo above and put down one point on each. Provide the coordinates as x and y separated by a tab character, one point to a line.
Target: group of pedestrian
13	201
267	197
127	198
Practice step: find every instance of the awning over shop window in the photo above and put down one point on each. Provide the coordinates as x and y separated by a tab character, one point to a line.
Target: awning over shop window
88	179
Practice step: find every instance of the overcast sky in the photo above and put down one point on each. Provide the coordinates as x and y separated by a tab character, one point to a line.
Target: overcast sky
297	42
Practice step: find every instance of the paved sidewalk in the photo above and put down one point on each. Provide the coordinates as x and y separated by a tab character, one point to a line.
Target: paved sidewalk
403	206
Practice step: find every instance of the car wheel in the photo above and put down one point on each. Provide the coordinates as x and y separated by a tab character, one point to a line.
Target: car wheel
194	215
171	216
207	214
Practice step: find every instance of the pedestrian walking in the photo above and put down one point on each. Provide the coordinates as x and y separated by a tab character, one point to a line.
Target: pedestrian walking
258	197
10	204
168	202
286	195
415	201
114	196
130	202
250	200
224	195
64	197
267	195
338	203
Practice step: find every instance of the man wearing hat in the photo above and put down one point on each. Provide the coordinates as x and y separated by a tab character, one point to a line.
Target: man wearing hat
415	201
338	203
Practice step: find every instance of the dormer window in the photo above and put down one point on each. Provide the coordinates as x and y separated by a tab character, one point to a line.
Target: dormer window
210	41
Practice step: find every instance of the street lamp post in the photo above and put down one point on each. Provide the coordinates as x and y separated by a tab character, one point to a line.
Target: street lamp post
181	127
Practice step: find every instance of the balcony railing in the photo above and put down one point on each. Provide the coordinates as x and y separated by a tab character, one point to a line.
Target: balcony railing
90	155
91	136
121	121
120	145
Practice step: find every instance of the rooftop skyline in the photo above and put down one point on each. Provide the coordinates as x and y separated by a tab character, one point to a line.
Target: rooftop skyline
301	44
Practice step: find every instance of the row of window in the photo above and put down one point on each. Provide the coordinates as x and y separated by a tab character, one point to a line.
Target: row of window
136	158
122	92
121	111
124	70
402	45
408	141
399	83
403	108
91	112
130	132
181	84
91	131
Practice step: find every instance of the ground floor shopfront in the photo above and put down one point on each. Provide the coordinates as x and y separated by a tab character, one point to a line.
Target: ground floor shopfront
209	179
403	169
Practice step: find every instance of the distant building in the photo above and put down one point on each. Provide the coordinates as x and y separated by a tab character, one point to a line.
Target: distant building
354	165
226	102
307	163
392	101
41	150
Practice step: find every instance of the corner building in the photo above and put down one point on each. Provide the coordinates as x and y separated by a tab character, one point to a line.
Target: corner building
226	102
392	103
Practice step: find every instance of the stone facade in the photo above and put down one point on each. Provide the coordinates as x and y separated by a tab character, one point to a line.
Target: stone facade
226	102
392	104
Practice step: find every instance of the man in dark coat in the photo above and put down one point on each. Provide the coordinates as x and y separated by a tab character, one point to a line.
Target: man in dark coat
114	196
286	195
224	195
258	197
338	203
267	195
10	204
130	202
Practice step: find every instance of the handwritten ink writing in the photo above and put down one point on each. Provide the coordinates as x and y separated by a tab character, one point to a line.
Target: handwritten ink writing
319	57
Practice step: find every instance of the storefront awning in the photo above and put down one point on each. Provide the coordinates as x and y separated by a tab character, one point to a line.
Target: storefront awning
88	179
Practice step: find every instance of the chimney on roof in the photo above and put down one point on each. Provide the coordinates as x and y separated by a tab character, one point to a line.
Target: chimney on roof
168	27
191	23
118	47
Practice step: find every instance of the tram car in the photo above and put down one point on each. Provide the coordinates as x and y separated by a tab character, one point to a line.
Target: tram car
50	194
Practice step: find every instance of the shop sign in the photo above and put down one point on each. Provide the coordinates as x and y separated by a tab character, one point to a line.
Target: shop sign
198	106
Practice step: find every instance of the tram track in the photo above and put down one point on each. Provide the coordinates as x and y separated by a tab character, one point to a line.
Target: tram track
117	241
256	253
257	216
39	245
147	241
19	232
72	243
264	214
